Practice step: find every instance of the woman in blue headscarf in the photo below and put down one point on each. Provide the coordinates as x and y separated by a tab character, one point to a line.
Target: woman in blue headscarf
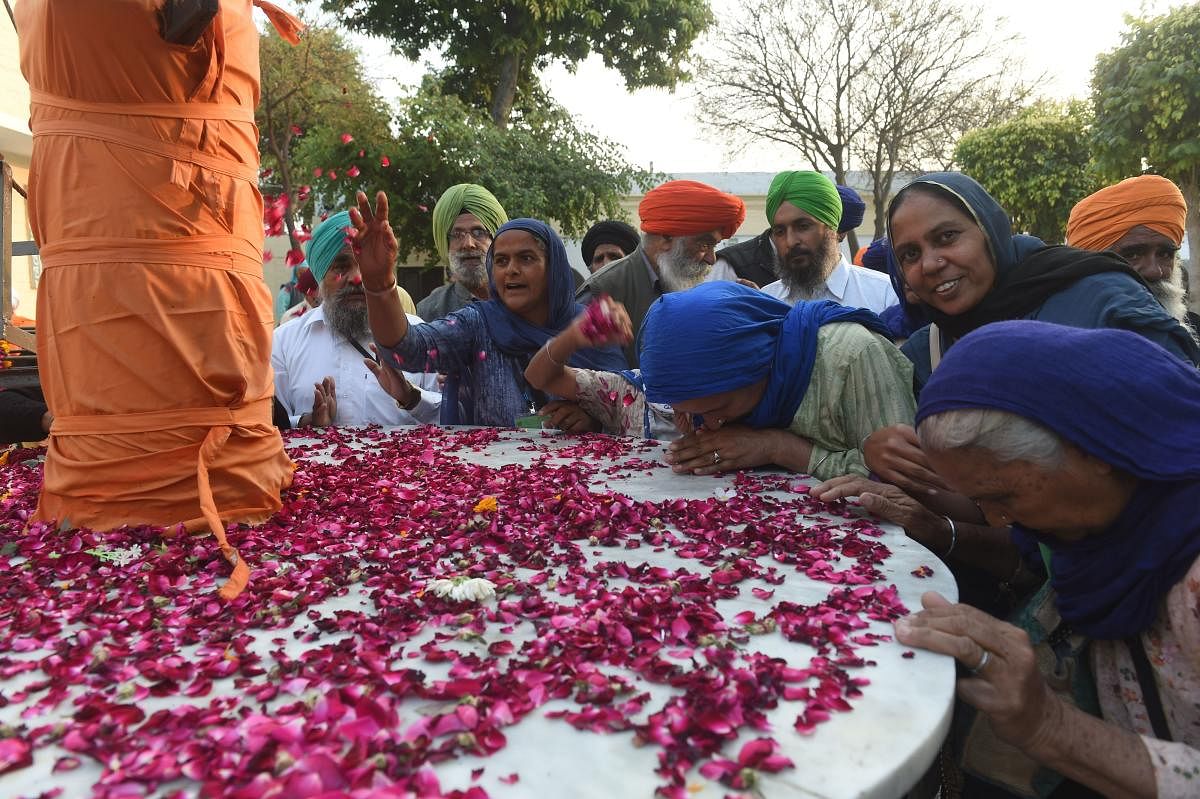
956	251
484	347
908	315
1087	442
804	383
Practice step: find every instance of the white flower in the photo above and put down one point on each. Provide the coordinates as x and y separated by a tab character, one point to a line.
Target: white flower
117	557
472	589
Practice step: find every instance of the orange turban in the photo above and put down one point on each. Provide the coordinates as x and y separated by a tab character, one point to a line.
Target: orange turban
1099	221
685	208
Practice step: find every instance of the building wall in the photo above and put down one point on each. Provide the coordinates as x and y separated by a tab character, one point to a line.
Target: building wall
16	143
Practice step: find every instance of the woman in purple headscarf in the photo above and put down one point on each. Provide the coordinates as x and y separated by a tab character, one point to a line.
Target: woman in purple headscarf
1086	442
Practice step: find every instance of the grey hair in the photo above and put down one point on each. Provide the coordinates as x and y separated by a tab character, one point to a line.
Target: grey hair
1007	436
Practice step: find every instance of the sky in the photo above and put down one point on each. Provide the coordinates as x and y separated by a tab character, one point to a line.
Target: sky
1059	38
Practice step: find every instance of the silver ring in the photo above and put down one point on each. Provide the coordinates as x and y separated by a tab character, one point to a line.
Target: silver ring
983	661
716	456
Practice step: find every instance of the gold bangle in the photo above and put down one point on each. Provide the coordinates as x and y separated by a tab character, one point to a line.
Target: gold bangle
382	292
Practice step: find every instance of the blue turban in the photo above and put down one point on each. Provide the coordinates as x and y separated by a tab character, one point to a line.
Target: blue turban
853	208
1121	399
722	336
904	318
327	241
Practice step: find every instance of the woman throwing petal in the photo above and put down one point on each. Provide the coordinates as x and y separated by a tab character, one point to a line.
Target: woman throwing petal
957	253
1045	427
806	382
485	346
615	400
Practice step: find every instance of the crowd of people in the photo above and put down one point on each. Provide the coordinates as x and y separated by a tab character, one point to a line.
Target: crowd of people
1029	411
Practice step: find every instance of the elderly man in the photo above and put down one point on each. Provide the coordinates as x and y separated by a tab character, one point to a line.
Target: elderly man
805	211
320	360
464	220
1142	220
607	241
682	223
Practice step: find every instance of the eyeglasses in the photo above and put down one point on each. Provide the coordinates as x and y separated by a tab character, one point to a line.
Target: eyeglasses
477	233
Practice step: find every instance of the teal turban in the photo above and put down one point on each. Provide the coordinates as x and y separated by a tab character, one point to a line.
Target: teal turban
809	191
327	241
471	198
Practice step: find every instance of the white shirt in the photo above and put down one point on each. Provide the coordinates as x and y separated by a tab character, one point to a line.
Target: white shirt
305	351
847	285
721	271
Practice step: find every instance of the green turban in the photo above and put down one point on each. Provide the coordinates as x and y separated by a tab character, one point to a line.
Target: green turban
809	191
327	241
471	198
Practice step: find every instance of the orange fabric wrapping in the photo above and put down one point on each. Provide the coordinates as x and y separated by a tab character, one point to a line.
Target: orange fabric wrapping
154	322
687	208
1100	220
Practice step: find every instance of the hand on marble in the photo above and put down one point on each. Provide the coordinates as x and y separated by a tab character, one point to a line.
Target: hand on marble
568	417
1008	688
895	455
728	449
890	503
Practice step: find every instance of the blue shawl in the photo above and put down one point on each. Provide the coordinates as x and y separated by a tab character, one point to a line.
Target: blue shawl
904	318
722	336
1119	398
515	336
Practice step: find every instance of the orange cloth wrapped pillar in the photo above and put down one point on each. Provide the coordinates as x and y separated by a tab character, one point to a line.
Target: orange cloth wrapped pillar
154	321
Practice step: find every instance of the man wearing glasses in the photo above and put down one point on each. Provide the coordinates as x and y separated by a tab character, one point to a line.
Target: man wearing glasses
464	221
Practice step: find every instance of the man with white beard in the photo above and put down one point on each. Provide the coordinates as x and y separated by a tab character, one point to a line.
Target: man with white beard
324	372
465	218
682	223
1142	220
805	212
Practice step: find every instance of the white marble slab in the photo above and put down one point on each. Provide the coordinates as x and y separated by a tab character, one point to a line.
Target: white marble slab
879	749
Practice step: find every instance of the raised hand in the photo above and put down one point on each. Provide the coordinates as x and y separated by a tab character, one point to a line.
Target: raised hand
375	244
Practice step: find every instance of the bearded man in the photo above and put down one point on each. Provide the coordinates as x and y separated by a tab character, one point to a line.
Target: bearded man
682	221
1142	220
324	373
464	220
805	212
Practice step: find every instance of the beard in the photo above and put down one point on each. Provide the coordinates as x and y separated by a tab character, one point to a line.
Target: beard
470	274
678	271
347	318
803	270
1171	295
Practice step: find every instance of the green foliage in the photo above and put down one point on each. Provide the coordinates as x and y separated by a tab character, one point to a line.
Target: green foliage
1146	98
1037	165
311	94
646	42
542	166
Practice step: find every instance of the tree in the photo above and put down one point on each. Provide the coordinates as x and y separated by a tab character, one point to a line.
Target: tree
496	48
542	166
883	86
1146	99
1037	165
311	92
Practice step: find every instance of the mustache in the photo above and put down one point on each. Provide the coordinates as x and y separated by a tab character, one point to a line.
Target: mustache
350	290
800	252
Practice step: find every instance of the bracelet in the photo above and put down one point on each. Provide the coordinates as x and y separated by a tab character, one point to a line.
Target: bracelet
550	355
382	292
953	537
416	394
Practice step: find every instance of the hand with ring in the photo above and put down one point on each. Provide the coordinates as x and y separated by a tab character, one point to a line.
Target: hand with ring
729	449
1005	682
